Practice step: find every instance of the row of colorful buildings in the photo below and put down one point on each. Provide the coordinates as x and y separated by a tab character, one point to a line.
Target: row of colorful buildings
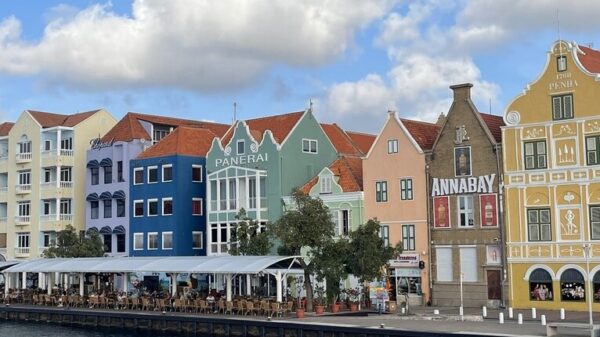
489	210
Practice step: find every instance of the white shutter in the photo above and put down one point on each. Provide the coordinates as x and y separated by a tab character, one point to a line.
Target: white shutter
568	106
335	219
468	263
443	264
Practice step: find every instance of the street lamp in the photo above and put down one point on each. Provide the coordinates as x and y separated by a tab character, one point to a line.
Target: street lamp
587	249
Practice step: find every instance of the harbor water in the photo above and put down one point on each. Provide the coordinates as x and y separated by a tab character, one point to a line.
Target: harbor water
31	329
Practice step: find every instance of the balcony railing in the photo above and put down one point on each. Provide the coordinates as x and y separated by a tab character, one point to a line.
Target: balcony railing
66	184
47	217
22	220
20	251
23	157
23	189
52	152
66	152
66	217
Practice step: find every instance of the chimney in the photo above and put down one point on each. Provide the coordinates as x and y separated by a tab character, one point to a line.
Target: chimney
462	92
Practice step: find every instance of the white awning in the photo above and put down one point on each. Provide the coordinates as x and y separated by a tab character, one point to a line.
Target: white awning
179	264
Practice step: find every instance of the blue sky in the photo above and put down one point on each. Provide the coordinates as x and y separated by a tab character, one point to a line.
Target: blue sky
353	59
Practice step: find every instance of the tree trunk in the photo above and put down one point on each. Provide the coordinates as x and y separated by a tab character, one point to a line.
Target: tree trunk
307	286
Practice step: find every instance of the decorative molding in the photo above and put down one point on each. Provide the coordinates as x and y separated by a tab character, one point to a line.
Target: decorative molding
534	133
565	130
513	118
227	150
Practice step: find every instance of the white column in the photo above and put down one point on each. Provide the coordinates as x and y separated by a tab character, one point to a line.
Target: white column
58	142
41	280
174	285
278	281
248	285
24	280
228	277
258	187
50	283
57	209
81	285
6	282
125	282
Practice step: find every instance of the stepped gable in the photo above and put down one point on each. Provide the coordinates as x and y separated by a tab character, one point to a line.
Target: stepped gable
5	128
348	170
363	141
130	128
185	141
279	125
49	120
422	132
493	123
343	144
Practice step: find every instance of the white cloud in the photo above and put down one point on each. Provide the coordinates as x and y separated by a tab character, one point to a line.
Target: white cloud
192	44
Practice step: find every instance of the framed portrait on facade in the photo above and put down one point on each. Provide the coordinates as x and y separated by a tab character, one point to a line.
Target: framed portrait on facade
462	161
441	212
488	210
493	255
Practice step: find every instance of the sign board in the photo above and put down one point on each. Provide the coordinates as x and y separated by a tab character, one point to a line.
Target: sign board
405	260
408	272
481	184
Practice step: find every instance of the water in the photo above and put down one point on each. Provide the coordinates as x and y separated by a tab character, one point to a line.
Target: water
30	329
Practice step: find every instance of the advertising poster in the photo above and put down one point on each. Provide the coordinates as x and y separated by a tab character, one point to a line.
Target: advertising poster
488	210
441	212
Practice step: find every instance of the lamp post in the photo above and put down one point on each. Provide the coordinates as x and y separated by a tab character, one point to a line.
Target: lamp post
461	297
587	249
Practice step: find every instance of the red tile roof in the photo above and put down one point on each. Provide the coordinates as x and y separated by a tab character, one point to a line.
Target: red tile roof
129	127
48	120
364	141
348	171
423	133
590	60
341	141
187	141
5	128
279	125
493	123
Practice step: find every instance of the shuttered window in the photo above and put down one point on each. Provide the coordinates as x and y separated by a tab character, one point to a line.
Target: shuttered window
443	260
535	155
595	222
562	107
468	264
538	224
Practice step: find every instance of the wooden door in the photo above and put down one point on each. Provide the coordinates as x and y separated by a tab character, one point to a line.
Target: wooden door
494	284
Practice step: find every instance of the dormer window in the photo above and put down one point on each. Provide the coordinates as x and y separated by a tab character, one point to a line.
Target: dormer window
325	184
561	63
240	147
160	132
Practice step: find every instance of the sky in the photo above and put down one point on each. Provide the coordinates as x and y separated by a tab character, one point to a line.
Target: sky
353	60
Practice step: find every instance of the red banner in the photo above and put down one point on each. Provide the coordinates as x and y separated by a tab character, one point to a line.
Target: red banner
441	212
488	210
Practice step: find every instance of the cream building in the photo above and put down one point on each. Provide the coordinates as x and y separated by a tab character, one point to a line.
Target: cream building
42	177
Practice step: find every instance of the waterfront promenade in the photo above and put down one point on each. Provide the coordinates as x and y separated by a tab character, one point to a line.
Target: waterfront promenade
420	320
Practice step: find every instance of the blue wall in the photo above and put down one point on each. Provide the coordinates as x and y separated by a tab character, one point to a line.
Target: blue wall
182	223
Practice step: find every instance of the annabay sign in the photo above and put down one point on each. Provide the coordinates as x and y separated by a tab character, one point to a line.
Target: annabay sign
481	184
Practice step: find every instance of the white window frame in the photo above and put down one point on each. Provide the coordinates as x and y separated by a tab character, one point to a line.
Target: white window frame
155	234
201	170
409	236
138	169
237	147
406	191
47	145
392	146
162	173
469	272
384	233
163	240
135	202
148	207
310	142
201	206
24	237
444	262
325	184
154	167
24	206
201	239
466	211
379	188
135	237
163	206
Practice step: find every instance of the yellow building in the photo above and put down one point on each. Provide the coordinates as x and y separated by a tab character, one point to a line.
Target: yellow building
552	183
42	177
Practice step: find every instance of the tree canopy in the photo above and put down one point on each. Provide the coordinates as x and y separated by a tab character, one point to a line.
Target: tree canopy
69	243
250	240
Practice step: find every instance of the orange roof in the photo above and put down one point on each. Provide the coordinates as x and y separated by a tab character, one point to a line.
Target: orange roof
590	60
493	123
130	128
348	170
5	128
48	120
362	140
341	141
279	125
187	141
423	133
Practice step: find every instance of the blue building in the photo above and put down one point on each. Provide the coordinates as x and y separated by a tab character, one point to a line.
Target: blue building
167	195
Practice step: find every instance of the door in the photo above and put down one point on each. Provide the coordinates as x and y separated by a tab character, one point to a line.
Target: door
493	284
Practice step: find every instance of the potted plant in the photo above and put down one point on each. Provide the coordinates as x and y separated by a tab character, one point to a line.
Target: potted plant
335	304
300	304
353	296
320	300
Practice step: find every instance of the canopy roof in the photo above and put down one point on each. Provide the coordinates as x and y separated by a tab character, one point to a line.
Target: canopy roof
178	264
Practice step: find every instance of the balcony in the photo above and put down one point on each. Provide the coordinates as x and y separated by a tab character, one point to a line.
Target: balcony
23	158
23	189
50	222
22	220
57	158
66	217
52	190
48	217
22	251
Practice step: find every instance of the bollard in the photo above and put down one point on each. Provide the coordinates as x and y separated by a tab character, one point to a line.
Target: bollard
520	318
461	311
510	312
402	310
533	313
543	318
562	313
501	318
484	311
436	312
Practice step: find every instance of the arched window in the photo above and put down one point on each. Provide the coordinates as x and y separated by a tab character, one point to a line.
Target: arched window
540	285
596	282
572	286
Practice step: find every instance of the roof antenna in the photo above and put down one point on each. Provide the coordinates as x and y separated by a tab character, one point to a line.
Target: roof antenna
310	103
234	111
560	51
490	105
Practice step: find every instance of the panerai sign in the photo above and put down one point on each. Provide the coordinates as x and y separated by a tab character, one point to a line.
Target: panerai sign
481	184
242	160
97	143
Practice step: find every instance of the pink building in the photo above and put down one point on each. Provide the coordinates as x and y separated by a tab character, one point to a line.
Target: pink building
395	192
